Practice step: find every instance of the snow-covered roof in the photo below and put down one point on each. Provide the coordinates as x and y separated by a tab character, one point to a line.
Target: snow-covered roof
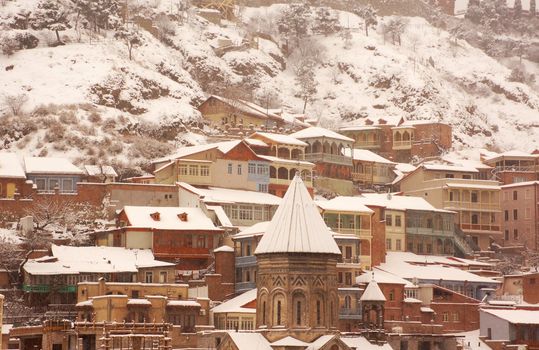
315	131
405	167
256	142
168	218
248	107
237	304
320	342
412	300
433	259
383	277
184	303
518	184
74	260
426	309
515	316
280	138
472	340
511	154
249	341
362	343
346	204
223	248
221	215
224	147
297	226
96	170
372	292
286	161
366	156
10	166
227	195
397	264
398	202
144	302
255	230
289	341
50	165
448	167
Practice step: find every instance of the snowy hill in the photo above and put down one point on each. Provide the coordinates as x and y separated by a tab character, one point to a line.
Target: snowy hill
88	101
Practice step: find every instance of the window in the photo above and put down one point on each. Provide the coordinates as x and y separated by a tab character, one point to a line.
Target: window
298	312
429	222
445	317
252	168
67	185
239	169
148	277
388	220
263	188
230	168
278	312
429	248
388	243
467	177
257	213
392	295
398	244
204	170
163	277
264	312
420	247
506	235
515	214
515	234
246	212
348	278
398	220
182	169
515	195
318	312
475	219
506	215
456	317
449	176
53	183
193	170
474	197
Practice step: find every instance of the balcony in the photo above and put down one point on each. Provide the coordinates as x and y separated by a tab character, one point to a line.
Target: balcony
353	262
402	145
475	206
245	261
477	228
328	158
516	168
367	144
195	179
349	314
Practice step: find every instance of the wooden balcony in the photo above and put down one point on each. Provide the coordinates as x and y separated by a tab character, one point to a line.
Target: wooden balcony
477	228
402	145
476	206
328	158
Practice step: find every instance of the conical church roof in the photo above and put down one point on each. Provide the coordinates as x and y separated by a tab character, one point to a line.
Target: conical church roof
372	292
297	226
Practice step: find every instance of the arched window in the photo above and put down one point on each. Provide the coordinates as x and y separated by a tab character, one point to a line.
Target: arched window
293	172
264	313
406	136
398	137
278	313
282	173
273	172
318	312
298	312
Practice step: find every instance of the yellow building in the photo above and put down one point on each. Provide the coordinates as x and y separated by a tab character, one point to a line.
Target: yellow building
457	188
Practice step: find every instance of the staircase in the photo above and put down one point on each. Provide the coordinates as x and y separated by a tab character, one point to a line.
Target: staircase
464	243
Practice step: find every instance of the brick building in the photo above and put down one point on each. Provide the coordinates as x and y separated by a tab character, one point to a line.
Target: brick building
520	214
513	166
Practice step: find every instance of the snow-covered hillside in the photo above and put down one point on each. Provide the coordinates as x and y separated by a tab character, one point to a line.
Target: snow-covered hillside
86	99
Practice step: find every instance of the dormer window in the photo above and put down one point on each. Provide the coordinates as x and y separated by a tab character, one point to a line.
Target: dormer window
156	216
182	216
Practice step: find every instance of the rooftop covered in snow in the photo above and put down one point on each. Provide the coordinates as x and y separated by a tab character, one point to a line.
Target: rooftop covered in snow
365	155
10	166
237	304
50	165
279	138
318	132
226	195
297	226
168	218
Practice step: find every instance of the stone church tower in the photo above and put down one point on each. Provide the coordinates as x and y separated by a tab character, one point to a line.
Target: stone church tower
297	267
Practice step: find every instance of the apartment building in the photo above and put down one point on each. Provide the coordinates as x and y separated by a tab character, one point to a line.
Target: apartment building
370	170
520	217
457	188
513	166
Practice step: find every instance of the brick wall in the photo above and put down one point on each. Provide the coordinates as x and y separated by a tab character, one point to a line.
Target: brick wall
378	243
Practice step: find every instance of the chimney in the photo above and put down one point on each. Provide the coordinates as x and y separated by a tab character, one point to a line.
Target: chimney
183	216
156	216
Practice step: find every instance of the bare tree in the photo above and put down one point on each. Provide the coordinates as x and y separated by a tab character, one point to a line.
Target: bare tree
15	103
11	256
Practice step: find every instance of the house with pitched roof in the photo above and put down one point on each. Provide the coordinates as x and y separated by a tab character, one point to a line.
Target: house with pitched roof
12	176
50	174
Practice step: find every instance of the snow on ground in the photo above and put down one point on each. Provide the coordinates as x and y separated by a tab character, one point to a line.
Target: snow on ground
9	236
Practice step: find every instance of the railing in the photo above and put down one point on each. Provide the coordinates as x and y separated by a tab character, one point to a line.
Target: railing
45	288
466	242
362	233
472	205
245	261
479	227
196	179
367	144
242	286
428	231
350	314
328	158
402	144
517	168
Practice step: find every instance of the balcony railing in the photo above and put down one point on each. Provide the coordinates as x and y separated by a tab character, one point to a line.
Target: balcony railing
516	168
328	158
480	227
350	314
460	205
245	261
367	144
402	144
243	286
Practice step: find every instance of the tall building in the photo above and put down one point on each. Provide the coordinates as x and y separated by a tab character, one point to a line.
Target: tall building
297	267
